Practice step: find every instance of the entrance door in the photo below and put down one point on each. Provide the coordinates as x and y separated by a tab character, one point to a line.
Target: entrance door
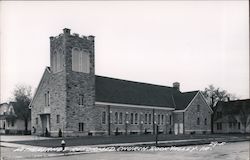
45	123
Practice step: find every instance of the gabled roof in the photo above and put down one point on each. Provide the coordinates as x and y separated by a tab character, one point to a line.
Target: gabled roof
117	91
47	70
182	100
128	92
233	106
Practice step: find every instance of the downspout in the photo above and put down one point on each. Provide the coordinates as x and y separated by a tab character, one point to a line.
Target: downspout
109	129
154	121
183	122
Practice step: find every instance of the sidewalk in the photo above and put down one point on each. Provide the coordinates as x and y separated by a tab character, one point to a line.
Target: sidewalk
165	143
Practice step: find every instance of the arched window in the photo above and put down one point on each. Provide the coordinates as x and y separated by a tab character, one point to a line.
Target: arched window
80	60
57	61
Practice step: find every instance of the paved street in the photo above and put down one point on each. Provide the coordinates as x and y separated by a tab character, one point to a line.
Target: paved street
229	151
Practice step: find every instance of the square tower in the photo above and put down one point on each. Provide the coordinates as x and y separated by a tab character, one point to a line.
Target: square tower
73	66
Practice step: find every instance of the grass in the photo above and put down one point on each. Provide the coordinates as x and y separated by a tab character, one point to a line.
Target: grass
96	140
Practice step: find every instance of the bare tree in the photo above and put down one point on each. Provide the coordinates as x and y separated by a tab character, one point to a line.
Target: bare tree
215	94
22	98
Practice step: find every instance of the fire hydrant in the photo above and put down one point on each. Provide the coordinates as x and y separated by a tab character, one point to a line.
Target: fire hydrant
63	144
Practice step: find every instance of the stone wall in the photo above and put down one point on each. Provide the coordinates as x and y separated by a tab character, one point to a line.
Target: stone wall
79	83
126	127
191	115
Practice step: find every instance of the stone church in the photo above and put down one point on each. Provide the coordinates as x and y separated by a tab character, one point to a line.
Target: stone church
71	98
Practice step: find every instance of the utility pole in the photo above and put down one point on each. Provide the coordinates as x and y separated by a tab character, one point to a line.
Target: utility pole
156	136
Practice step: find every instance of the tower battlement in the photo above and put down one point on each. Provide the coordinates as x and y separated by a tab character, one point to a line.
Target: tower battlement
66	32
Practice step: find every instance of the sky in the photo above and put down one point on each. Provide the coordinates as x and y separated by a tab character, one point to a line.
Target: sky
196	43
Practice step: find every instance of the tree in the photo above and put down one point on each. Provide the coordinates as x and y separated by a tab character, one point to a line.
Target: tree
213	95
22	98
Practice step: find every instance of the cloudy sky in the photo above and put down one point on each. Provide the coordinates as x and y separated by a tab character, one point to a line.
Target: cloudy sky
196	43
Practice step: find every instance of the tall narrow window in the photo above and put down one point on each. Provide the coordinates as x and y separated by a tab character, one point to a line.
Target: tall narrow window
198	108
81	127
57	61
103	117
238	125
146	118
48	94
162	119
47	99
120	118
80	60
170	120
81	100
132	118
198	121
159	118
126	117
36	120
205	121
136	118
116	118
58	118
149	119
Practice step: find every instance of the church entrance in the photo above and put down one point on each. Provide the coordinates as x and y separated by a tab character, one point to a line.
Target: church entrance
178	128
45	118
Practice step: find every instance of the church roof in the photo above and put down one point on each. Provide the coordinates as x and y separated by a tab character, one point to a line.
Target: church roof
128	92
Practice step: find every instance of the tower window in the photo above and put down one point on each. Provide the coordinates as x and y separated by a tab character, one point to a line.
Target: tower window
57	61
205	121
58	118
81	100
36	120
81	127
80	61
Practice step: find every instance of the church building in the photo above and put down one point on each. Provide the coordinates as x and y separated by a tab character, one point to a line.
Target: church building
72	99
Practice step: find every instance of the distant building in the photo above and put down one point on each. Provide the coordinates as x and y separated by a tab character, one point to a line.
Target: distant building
232	117
71	98
9	122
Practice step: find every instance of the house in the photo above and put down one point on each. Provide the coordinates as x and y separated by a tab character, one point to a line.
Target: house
232	117
72	99
9	122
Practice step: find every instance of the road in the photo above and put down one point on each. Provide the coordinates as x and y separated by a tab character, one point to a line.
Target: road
229	151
